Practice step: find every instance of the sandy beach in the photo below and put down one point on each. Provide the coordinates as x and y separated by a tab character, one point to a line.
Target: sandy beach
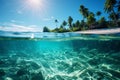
100	31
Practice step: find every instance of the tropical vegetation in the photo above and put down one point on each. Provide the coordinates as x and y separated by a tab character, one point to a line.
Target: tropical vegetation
91	20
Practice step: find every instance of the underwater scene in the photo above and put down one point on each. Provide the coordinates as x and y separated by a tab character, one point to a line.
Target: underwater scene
59	56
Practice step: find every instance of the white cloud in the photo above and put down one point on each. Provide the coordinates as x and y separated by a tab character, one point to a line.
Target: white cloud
48	19
20	28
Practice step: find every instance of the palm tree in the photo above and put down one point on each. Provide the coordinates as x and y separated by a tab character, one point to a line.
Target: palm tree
70	20
92	14
77	23
102	20
56	21
91	19
111	16
64	23
98	13
84	11
102	23
109	8
109	5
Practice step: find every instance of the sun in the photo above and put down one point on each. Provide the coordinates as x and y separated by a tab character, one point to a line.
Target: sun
35	7
34	3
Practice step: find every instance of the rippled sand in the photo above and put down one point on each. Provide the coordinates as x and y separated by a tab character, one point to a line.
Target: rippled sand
72	59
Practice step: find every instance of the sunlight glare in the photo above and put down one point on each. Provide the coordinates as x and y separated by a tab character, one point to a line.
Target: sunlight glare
35	7
34	3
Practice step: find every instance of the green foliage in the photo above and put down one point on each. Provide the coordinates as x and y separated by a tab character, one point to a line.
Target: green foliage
91	19
55	30
75	29
64	23
56	21
73	25
77	23
60	30
102	23
46	29
111	16
70	20
112	7
98	13
84	11
109	5
82	23
102	20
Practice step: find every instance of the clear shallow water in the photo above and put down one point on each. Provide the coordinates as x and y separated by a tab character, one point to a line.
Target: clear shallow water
53	56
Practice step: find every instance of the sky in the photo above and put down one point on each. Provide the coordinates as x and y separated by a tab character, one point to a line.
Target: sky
33	15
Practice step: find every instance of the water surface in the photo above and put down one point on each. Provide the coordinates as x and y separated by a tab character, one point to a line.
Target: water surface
59	56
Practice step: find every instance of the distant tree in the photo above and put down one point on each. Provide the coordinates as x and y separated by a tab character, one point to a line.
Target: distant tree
91	19
77	23
102	23
111	16
61	26
70	20
102	20
84	11
56	21
64	23
61	29
98	13
74	25
46	29
92	14
82	23
56	30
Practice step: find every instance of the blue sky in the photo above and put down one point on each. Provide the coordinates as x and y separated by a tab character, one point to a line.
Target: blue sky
28	15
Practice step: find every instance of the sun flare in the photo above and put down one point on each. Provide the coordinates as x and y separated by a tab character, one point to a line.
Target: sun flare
35	7
35	3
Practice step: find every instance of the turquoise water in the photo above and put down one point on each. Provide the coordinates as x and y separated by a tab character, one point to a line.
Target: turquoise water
54	56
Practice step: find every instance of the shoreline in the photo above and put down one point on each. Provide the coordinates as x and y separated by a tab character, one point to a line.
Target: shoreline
100	31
